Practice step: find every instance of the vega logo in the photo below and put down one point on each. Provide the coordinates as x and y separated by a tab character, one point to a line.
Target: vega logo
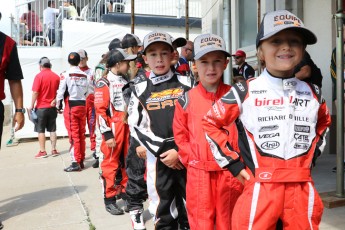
270	145
268	135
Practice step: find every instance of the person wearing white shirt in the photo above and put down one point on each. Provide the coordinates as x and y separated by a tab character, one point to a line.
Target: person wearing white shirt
49	16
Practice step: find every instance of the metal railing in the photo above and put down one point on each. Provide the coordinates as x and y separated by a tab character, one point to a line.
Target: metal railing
31	29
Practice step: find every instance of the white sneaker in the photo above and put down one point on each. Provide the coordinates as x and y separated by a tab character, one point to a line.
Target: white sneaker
137	219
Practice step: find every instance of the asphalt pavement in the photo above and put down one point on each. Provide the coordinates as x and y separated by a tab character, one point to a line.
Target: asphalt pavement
38	194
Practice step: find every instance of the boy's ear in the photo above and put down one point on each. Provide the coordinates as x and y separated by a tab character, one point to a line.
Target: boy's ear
145	59
194	66
260	55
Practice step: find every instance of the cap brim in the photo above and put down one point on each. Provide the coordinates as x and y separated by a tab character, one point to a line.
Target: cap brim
165	42
130	57
308	36
179	42
209	50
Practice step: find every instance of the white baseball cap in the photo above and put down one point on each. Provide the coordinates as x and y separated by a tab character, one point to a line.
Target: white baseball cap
206	43
154	37
276	21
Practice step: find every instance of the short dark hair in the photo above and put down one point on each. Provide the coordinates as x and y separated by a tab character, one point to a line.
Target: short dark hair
74	59
29	6
50	3
45	62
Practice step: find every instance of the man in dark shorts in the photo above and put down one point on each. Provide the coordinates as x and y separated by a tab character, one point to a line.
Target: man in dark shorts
44	91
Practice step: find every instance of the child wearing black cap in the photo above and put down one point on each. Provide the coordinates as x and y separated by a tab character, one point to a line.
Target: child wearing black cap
281	122
110	108
131	43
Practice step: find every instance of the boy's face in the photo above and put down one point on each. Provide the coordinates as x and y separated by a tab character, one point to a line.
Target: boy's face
210	67
123	67
282	52
83	62
158	56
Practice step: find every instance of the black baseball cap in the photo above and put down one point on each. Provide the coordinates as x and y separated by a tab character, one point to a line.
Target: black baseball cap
130	40
45	62
114	44
118	55
74	58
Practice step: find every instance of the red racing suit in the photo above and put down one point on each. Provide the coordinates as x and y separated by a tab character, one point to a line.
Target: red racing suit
281	124
74	88
110	107
90	108
211	191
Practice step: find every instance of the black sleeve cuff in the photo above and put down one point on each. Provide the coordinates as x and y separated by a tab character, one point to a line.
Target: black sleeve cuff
108	135
235	168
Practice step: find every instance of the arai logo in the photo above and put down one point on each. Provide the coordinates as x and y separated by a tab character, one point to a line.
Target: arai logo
269	145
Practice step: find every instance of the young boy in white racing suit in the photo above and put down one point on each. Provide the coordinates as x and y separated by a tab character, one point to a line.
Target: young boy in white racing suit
211	191
151	111
73	89
110	107
281	123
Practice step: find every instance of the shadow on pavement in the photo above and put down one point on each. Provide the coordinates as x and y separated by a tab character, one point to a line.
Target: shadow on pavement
18	205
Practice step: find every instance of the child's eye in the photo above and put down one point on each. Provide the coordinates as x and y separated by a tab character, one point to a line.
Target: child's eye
276	41
295	42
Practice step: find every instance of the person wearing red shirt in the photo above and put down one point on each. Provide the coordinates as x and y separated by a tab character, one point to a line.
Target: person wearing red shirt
44	90
33	23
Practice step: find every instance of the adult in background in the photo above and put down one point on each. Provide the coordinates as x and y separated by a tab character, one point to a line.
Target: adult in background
33	23
307	71
11	70
49	16
243	68
90	109
182	66
44	88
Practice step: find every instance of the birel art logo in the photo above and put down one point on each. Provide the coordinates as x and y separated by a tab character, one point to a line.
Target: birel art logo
280	101
270	145
265	175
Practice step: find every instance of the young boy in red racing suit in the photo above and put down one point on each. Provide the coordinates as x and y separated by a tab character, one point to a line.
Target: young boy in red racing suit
211	191
110	107
281	123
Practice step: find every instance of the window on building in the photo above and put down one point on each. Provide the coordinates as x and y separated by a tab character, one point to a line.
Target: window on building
247	12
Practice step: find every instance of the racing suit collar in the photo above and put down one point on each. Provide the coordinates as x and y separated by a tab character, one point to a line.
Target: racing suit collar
156	79
113	75
280	83
211	95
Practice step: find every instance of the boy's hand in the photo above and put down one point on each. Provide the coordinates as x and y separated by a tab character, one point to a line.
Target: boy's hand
141	151
110	143
170	159
243	176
